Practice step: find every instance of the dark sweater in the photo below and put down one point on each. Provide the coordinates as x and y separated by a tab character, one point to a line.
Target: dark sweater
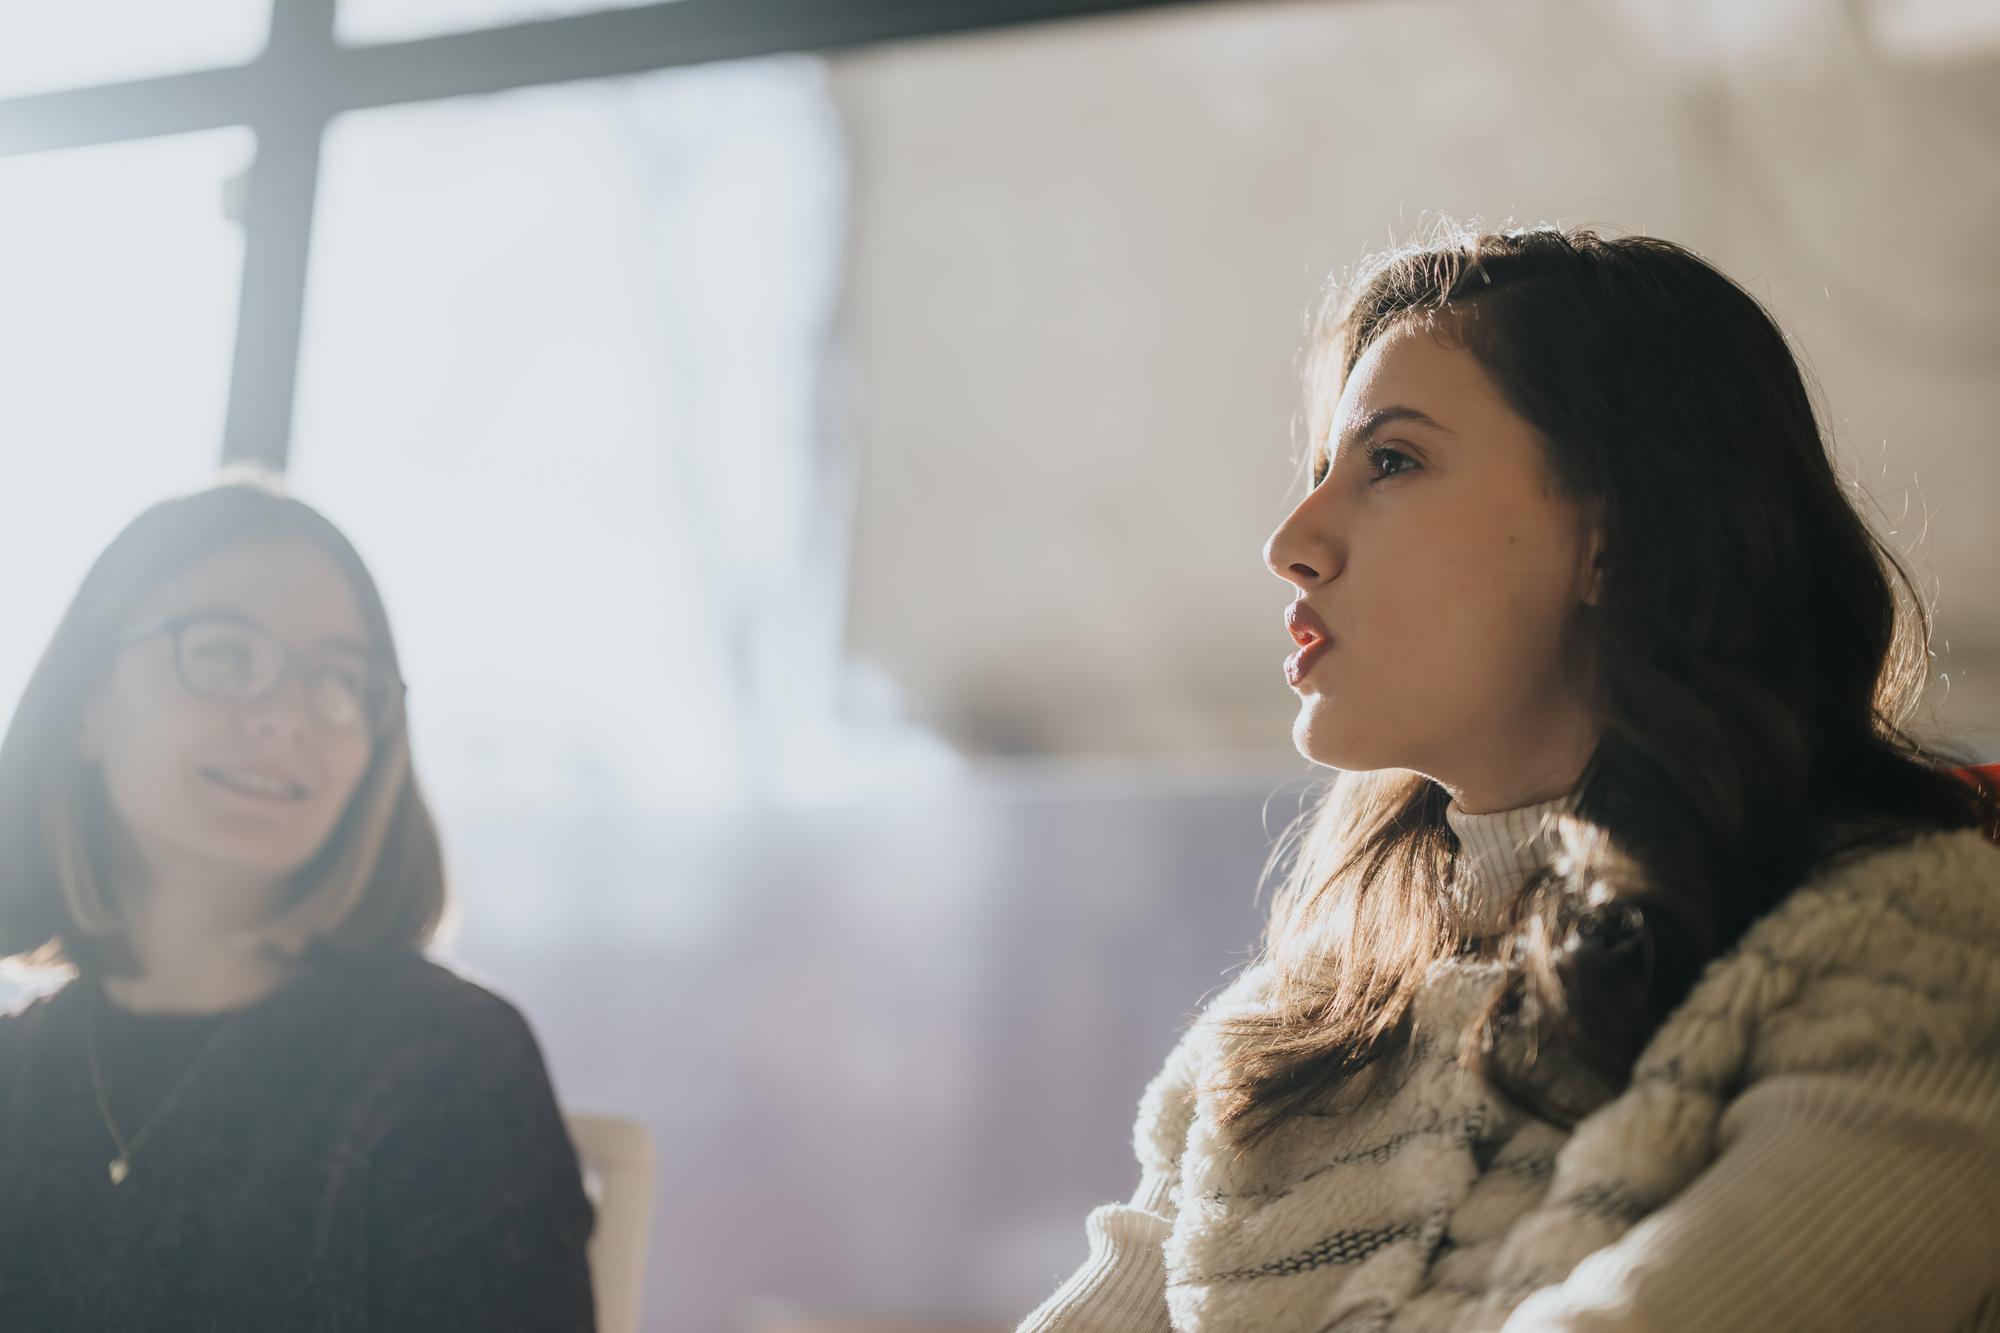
372	1148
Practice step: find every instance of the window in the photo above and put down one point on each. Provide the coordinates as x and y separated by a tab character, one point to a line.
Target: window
562	383
364	22
47	46
118	280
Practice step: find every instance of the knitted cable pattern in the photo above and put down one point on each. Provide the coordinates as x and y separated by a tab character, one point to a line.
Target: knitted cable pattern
1423	1203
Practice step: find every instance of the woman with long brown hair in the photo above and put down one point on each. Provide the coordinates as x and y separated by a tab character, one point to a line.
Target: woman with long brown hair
256	1106
1640	972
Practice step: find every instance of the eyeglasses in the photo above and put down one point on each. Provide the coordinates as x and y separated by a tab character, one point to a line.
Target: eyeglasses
228	660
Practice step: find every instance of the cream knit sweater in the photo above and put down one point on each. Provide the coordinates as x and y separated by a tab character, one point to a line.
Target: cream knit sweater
1811	1142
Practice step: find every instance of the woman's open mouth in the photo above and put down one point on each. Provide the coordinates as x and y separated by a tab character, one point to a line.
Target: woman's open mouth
1308	631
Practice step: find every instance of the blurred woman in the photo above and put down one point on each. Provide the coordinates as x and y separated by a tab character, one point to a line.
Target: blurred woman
1640	973
256	1106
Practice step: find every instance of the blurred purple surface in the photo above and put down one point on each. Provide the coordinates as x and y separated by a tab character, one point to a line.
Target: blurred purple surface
890	1055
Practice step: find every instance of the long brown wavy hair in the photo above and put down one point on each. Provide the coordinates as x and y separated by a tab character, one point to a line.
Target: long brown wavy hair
1753	658
377	886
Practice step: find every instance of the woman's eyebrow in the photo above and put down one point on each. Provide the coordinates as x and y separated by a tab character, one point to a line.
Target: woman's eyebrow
342	643
1383	416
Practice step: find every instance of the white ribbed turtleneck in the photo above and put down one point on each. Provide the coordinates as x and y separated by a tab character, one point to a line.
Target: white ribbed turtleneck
1497	853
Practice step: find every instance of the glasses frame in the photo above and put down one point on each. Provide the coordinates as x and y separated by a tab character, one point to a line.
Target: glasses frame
383	689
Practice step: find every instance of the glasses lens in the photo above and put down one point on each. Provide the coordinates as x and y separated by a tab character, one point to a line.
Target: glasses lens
229	663
339	698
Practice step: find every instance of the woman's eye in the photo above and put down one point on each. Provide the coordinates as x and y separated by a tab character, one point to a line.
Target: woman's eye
352	679
219	663
1386	461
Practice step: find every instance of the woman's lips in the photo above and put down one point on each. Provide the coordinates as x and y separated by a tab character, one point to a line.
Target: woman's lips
251	782
1308	631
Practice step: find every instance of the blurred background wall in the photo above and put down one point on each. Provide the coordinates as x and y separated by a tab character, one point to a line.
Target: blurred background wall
820	501
1082	255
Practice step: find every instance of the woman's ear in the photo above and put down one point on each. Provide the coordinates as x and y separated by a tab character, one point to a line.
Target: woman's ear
1592	573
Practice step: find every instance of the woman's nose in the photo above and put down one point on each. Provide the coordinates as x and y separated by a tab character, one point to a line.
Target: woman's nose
284	714
1302	550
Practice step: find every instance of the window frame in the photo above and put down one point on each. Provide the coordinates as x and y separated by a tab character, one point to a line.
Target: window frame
305	77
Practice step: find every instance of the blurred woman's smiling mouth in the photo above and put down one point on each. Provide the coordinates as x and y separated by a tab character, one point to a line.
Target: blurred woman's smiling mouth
249	782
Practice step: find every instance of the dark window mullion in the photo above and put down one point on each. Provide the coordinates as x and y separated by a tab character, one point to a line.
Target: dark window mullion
296	93
277	228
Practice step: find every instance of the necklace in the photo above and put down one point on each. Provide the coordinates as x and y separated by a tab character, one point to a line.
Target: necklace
121	1165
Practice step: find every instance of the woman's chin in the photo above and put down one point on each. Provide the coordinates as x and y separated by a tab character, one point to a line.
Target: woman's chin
252	859
1322	735
1314	735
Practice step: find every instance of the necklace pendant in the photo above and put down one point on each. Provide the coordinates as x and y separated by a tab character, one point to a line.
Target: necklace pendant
120	1168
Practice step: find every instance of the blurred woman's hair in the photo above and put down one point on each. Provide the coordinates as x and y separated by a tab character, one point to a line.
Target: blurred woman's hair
1752	659
376	886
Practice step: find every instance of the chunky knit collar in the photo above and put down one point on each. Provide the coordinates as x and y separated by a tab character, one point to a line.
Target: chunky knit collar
1497	853
1433	1204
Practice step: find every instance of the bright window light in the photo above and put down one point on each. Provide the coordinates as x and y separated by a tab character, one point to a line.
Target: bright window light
118	286
365	22
47	45
561	382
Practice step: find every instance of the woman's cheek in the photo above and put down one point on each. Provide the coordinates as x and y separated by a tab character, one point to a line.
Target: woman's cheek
348	766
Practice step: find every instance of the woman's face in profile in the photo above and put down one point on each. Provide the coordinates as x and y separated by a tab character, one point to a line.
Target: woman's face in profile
1436	568
250	788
